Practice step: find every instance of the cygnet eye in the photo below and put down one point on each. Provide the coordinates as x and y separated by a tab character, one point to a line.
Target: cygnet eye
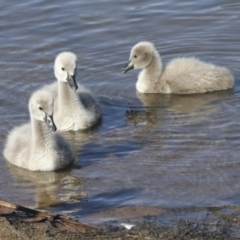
63	69
40	108
135	56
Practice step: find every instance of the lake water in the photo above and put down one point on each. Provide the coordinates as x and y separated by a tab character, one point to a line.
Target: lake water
151	153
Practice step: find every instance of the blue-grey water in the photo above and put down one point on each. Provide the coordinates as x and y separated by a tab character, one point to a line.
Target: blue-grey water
151	152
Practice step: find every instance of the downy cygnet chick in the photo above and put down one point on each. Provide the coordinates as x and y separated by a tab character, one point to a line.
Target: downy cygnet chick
35	145
181	75
75	107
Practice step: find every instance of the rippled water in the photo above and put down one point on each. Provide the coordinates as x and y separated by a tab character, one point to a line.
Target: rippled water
151	152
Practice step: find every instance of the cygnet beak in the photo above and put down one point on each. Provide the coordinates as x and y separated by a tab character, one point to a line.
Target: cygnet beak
50	123
128	67
72	82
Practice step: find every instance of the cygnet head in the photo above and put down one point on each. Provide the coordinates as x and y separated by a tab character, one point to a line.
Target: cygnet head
41	108
141	56
65	68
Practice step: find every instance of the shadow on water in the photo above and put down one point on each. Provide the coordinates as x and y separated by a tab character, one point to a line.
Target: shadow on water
113	123
93	153
113	112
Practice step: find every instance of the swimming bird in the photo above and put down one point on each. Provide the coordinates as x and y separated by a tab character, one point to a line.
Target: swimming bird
35	145
75	107
181	75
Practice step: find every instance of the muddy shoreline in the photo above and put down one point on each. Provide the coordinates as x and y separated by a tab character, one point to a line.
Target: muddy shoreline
18	229
210	223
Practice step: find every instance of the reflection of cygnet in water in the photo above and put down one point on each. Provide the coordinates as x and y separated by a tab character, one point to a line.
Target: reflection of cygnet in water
155	105
33	145
182	103
52	188
181	75
143	116
75	107
77	140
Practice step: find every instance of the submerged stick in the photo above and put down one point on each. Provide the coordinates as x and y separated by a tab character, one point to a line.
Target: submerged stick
77	226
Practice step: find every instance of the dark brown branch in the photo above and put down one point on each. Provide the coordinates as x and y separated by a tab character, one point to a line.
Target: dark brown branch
77	226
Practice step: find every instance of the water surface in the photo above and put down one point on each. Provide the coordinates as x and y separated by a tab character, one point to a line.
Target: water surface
151	152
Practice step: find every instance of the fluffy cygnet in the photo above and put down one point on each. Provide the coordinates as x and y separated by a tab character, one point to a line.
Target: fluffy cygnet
35	145
181	75
75	107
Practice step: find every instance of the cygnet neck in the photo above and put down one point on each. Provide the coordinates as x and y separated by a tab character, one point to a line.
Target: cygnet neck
67	98
149	77
154	69
41	135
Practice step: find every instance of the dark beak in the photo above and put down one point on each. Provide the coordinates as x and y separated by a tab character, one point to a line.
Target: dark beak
50	123
72	82
128	67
